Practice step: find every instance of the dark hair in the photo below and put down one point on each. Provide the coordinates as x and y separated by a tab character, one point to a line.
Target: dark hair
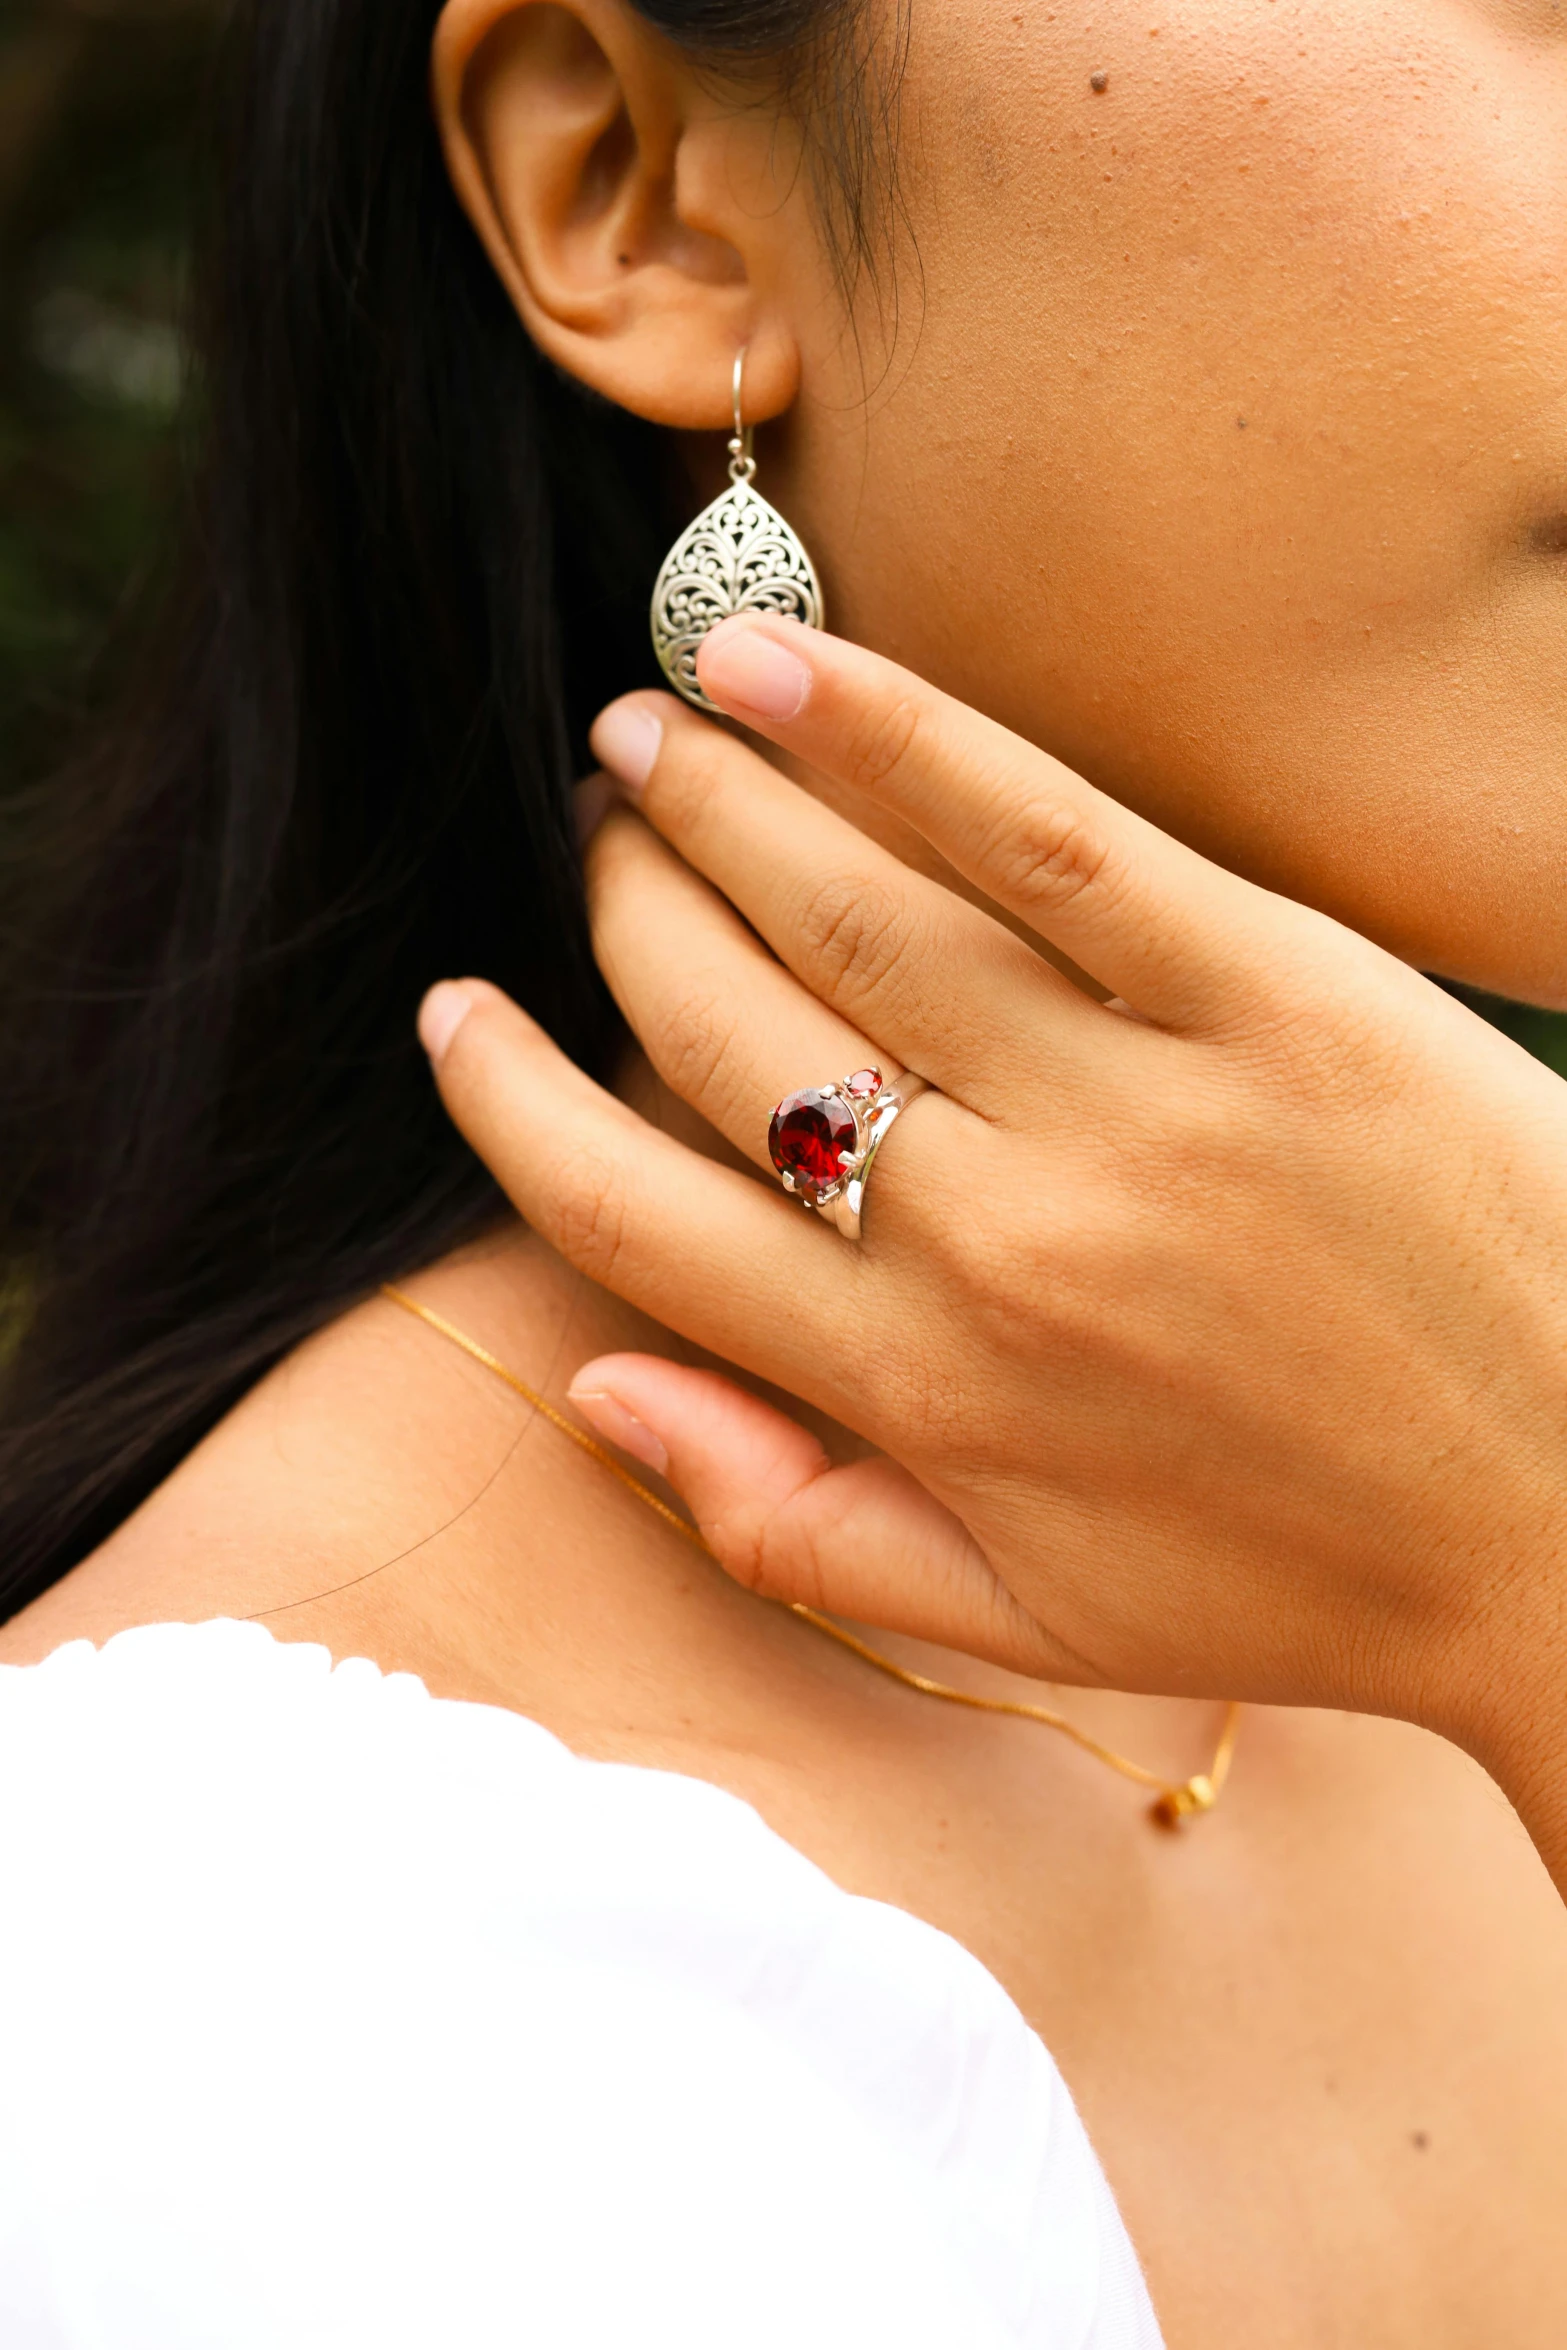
417	563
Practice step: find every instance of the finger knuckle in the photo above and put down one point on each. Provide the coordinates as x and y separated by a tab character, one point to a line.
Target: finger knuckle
851	930
992	1271
738	1539
588	1215
881	743
1033	1281
692	1044
1049	853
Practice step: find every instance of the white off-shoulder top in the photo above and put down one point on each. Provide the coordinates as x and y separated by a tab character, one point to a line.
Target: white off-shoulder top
340	2017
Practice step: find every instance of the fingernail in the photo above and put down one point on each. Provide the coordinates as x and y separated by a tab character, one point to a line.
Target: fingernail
745	668
591	800
441	1014
626	737
612	1420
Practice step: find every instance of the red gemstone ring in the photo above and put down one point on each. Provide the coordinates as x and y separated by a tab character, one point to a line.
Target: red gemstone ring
823	1140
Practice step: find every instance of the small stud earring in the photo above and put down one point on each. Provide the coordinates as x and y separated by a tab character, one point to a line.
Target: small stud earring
739	555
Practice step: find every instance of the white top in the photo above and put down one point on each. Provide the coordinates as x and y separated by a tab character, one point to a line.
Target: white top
341	2017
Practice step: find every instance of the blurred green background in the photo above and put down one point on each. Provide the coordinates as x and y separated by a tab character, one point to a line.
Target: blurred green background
100	120
100	105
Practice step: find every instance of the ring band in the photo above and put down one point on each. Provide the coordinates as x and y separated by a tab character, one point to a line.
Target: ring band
824	1139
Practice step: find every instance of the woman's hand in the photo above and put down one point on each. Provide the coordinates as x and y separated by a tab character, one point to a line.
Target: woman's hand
1215	1338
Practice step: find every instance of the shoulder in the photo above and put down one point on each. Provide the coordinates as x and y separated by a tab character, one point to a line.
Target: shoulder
478	2038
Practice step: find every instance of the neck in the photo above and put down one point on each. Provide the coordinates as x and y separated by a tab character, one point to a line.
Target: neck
377	1491
383	1495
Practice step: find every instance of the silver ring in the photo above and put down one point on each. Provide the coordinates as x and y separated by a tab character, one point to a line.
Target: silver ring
824	1139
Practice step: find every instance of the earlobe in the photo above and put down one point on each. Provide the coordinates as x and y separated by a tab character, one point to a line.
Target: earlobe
608	189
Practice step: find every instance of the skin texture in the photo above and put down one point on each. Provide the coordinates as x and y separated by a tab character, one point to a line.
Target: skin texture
1320	2040
1277	1162
1243	379
1298	594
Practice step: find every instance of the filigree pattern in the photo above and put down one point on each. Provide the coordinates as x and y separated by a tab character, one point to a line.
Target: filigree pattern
738	556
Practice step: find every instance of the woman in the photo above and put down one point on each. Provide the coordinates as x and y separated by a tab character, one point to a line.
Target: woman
1182	396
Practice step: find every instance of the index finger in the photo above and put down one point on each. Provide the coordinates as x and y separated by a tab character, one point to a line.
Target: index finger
1175	937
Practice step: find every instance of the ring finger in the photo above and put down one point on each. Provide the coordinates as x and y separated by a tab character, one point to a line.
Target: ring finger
724	1025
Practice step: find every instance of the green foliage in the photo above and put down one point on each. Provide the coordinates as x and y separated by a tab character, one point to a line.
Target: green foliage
97	114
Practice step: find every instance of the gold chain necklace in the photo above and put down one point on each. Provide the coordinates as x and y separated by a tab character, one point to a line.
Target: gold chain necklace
1173	1803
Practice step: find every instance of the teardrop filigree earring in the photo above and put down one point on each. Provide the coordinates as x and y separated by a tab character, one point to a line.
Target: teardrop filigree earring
738	556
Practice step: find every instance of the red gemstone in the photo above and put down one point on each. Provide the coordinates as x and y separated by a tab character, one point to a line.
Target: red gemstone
808	1132
863	1084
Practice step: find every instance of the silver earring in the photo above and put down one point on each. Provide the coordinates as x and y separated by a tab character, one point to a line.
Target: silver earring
738	556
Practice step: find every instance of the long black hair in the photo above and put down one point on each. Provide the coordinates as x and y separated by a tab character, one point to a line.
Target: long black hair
417	562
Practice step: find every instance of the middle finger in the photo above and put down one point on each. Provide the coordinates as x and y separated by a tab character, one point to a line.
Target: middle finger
929	978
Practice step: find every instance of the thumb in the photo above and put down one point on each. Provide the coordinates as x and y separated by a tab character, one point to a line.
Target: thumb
864	1541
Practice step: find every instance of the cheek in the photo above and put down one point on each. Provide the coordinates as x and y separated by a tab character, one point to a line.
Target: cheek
1296	264
1242	381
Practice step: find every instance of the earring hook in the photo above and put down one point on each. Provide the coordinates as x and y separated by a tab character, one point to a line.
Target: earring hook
742	465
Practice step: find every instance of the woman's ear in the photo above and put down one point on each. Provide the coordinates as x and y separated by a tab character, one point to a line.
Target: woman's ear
643	227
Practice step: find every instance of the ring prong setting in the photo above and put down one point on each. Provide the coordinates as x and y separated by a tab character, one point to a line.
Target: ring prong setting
823	1139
